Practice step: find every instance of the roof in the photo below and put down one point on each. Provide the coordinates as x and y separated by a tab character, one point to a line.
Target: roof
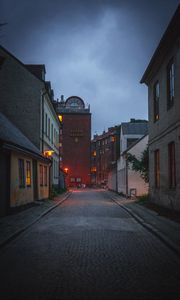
171	34
37	70
2	59
135	128
10	134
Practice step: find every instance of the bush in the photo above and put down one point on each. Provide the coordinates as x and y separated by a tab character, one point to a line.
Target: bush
55	191
143	199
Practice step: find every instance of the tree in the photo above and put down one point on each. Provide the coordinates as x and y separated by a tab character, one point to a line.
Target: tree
140	165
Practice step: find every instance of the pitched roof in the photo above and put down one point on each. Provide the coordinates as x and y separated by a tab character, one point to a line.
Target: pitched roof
9	133
135	128
171	34
38	70
2	59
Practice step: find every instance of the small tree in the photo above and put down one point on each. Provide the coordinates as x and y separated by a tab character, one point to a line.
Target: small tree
140	165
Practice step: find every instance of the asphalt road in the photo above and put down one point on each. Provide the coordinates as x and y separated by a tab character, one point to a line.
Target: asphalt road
88	248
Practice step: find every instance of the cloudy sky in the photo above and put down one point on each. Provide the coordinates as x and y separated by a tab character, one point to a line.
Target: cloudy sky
96	49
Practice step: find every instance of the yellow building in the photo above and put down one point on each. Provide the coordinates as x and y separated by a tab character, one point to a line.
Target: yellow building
24	172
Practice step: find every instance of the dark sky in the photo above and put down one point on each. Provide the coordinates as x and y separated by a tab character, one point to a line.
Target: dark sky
96	49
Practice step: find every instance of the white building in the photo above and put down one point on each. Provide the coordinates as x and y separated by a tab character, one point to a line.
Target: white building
135	185
129	134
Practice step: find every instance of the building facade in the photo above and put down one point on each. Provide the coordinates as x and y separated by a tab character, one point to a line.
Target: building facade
162	77
135	184
130	133
24	171
26	101
75	137
104	154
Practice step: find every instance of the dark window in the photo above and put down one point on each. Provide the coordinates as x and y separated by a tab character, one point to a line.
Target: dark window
45	175
156	101
172	165
41	174
21	173
52	133
46	124
170	84
28	173
72	179
157	168
49	128
78	179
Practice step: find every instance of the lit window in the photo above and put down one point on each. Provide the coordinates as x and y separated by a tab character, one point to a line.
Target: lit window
28	173
72	179
157	168
94	153
172	165
21	173
113	139
93	169
41	174
170	84
156	101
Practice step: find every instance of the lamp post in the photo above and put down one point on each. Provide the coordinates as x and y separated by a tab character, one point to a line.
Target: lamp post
49	154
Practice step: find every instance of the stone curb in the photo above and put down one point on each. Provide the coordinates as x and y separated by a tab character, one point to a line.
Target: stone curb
18	232
171	245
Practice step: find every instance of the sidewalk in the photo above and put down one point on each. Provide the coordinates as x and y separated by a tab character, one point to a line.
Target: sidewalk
168	231
13	225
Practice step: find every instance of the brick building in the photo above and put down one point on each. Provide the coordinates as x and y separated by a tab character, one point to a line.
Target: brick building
104	154
75	139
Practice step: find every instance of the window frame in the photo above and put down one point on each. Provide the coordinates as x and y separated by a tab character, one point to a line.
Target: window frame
156	97
170	83
172	165
21	173
28	173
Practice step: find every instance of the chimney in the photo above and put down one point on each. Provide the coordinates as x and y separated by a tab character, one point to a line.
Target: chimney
62	97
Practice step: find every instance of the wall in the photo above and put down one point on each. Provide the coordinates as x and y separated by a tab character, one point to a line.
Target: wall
51	139
134	179
76	149
164	131
21	95
19	196
112	180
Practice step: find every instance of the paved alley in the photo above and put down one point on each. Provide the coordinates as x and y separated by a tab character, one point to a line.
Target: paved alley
88	248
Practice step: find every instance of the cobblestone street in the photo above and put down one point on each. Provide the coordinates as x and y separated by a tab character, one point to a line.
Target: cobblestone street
88	248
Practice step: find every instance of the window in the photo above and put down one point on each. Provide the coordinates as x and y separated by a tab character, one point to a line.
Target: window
41	174
45	175
156	101
28	173
78	179
170	84
49	128
72	179
21	173
172	165
46	124
52	133
157	168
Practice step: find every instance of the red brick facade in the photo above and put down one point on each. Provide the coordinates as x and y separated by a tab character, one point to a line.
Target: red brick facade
76	136
75	140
